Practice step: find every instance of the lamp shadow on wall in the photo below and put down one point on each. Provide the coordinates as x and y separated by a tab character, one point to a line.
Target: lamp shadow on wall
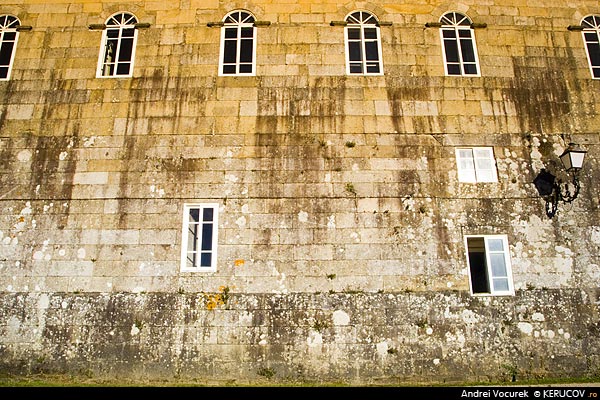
554	190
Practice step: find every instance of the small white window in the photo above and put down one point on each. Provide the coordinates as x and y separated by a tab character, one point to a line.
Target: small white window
489	265
117	51
363	48
8	44
238	44
458	42
476	164
591	37
199	238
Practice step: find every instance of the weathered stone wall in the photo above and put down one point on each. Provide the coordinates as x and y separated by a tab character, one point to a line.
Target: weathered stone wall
342	222
356	338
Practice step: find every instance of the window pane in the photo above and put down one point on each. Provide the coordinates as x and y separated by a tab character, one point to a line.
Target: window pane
207	214
468	53
483	163
229	51
191	261
207	236
194	215
229	69
230	33
129	32
354	53
594	52
373	68
123	68
246	68
205	259
501	285
111	46
449	34
9	35
470	69
463	33
112	33
356	68
247	32
451	48
596	72
590	37
3	72
498	265
454	69
246	50
372	52
108	70
192	244
370	33
496	244
466	156
126	49
465	161
354	33
6	52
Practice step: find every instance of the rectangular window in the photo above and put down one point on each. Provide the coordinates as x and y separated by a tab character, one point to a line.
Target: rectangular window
238	50
199	238
489	265
476	164
8	41
117	50
363	51
460	52
592	44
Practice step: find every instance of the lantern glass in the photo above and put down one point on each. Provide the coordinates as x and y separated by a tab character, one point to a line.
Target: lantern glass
573	157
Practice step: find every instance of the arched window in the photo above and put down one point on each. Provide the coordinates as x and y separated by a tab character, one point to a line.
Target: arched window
238	44
458	41
8	44
117	50
363	48
591	37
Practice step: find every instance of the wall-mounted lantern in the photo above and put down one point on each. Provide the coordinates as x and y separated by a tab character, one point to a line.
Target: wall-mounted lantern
553	190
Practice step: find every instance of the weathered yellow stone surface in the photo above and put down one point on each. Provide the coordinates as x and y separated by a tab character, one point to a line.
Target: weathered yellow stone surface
342	227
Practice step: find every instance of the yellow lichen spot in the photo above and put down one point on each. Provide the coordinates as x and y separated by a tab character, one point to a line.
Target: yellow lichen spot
217	299
238	263
210	305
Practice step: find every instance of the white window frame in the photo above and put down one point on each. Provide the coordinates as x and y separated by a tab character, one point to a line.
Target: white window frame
191	245
476	164
238	21
361	21
119	23
493	256
458	24
8	27
591	38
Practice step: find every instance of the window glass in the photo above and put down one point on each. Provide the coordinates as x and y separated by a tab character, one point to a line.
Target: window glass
354	51
476	164
238	44
591	37
8	44
363	44
199	238
458	43
489	265
118	46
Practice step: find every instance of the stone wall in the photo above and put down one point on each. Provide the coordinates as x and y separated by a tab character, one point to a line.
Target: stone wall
342	223
354	338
